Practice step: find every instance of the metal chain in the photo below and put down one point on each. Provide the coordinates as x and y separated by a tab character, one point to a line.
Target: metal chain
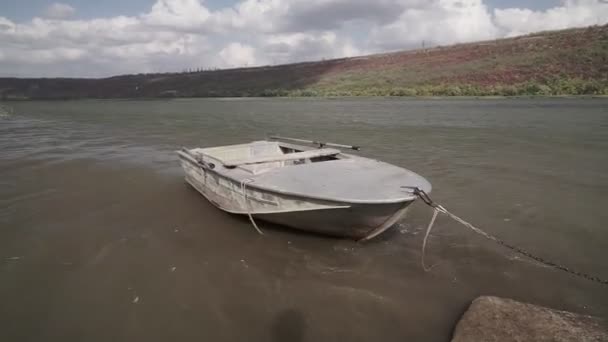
427	200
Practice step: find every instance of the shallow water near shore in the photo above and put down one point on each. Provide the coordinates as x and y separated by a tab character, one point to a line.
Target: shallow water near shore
101	239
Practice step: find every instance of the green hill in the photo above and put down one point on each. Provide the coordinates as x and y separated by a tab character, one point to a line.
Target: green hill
567	62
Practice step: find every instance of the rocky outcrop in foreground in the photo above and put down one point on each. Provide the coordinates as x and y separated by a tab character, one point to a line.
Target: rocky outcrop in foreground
501	319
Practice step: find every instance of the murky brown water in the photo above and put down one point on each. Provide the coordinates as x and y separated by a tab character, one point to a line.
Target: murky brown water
101	240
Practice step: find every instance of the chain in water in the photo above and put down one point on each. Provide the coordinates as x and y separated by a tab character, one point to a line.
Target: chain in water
438	208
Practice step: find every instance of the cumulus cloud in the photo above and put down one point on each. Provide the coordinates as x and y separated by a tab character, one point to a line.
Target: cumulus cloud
436	22
572	13
6	25
298	47
178	14
173	35
59	11
237	54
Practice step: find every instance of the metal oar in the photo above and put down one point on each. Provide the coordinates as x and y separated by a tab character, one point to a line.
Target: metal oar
320	143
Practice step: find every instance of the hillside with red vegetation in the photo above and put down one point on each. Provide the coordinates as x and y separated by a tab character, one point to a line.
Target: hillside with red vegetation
567	62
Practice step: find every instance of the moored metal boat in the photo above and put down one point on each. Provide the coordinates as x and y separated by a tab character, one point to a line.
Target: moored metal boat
321	190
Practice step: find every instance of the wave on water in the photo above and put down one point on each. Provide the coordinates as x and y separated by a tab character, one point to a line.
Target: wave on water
6	112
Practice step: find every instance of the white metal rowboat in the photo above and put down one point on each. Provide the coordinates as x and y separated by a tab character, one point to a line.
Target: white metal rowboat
316	189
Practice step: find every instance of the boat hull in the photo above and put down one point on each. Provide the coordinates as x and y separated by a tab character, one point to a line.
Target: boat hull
357	222
341	219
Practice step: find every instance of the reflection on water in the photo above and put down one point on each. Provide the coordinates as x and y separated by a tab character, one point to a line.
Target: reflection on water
94	213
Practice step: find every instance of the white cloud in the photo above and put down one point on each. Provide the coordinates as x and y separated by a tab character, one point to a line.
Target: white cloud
6	25
59	10
238	55
178	34
572	13
436	22
297	47
178	14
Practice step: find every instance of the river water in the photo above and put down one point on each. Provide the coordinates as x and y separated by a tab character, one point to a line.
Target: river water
102	240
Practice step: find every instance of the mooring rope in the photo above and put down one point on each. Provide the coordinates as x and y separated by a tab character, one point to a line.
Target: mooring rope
244	183
440	209
426	236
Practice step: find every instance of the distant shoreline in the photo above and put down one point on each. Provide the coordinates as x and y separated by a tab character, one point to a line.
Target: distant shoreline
557	63
488	97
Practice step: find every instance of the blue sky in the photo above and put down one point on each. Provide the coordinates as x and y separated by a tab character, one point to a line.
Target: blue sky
84	38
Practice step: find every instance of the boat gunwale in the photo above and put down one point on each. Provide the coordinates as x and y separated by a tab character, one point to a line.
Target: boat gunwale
193	161
245	212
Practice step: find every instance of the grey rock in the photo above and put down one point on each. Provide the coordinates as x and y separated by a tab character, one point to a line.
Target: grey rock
501	319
